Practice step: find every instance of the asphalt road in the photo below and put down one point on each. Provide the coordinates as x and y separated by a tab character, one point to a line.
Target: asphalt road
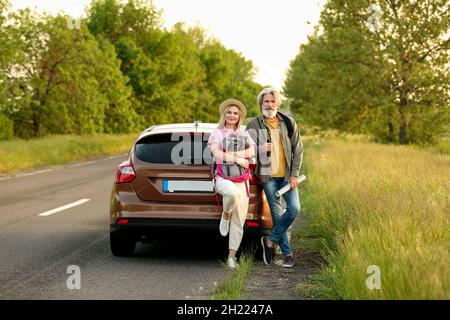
48	256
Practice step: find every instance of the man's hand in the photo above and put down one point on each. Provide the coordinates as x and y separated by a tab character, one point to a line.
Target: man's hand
293	182
267	147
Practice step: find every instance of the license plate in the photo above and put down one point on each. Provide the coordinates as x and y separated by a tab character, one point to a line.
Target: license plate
188	186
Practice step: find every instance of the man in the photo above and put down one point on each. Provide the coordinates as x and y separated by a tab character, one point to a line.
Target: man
279	158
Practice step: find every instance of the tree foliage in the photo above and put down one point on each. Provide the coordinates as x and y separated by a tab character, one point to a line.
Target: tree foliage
178	75
117	71
388	77
64	80
6	57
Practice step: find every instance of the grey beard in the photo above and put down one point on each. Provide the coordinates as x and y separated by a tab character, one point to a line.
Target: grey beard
269	114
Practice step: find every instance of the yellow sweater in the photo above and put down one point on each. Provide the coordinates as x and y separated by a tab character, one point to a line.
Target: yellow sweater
278	160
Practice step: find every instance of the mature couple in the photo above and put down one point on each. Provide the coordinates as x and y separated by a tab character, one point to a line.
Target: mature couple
273	133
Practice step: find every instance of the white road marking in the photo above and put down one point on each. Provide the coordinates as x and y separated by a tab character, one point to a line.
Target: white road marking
67	206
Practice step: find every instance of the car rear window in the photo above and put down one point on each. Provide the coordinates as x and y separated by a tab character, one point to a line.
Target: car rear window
176	148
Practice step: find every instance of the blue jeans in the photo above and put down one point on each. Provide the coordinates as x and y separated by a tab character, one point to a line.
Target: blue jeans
281	222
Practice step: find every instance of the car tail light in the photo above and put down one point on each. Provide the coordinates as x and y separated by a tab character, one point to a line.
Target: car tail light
122	221
125	172
252	224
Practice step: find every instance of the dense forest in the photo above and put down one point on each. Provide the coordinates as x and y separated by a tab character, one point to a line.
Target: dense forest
117	70
374	67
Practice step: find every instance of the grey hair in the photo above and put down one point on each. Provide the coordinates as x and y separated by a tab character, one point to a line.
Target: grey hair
265	91
223	115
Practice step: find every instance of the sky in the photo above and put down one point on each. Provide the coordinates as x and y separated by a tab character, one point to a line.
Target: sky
267	32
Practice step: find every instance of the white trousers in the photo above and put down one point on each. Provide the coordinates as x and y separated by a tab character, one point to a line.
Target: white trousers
235	200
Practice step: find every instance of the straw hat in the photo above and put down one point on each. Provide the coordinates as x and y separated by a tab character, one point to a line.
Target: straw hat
233	102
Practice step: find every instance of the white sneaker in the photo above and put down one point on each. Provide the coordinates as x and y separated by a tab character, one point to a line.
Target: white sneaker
224	226
231	263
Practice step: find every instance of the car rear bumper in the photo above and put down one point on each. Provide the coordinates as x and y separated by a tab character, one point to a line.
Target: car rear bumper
160	228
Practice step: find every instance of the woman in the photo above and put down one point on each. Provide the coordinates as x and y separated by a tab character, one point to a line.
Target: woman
234	194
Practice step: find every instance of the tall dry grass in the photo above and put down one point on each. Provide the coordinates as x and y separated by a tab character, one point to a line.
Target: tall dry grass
383	206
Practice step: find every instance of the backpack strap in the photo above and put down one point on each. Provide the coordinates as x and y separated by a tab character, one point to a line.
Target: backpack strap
214	184
288	120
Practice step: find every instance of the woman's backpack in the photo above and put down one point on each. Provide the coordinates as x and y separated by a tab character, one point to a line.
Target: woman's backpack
232	171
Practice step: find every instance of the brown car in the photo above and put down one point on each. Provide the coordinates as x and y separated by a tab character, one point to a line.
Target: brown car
165	188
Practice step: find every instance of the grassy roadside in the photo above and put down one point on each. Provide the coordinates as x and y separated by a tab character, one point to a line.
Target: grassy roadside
323	233
232	287
382	211
442	146
56	150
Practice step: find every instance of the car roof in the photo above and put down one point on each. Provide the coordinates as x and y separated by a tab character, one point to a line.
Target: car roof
194	127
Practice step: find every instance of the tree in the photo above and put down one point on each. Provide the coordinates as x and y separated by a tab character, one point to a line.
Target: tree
228	74
6	56
391	79
176	75
68	83
114	19
118	71
120	114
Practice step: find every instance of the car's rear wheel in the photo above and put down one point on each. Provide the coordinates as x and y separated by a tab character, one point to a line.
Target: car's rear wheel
121	246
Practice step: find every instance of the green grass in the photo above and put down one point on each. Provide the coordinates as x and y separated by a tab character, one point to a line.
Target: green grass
387	206
56	150
313	287
232	287
442	146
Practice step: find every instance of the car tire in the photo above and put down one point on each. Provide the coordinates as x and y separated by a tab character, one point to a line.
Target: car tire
121	246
